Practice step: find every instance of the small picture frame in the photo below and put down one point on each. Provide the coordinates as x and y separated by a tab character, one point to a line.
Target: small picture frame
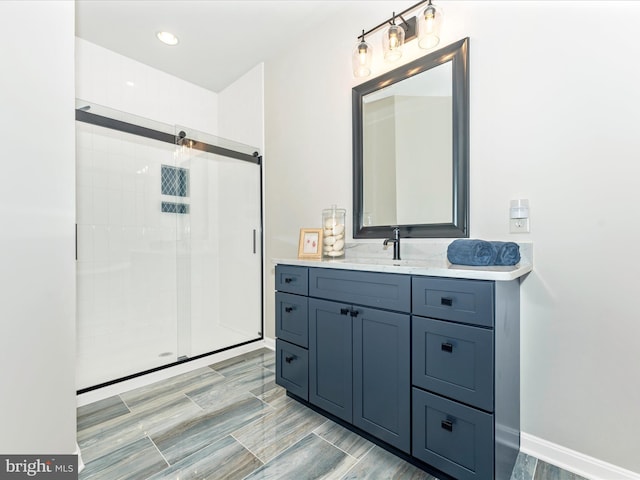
310	244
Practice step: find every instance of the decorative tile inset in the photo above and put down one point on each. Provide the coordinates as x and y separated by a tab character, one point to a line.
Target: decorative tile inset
170	207
174	181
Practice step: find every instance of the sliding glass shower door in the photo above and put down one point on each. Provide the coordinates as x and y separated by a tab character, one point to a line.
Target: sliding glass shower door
169	262
219	249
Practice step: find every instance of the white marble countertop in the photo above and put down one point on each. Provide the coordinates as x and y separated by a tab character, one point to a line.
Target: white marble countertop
433	263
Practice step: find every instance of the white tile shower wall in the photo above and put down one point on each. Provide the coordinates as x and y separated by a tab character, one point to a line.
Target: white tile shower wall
126	256
107	78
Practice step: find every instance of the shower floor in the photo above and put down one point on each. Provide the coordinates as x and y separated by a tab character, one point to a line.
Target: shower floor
110	357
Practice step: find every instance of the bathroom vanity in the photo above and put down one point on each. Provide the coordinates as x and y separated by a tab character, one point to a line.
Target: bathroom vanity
423	360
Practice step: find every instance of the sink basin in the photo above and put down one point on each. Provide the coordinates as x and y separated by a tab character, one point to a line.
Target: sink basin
387	262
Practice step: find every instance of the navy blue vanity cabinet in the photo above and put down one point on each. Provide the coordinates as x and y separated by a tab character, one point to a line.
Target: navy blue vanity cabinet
292	326
428	365
359	360
465	376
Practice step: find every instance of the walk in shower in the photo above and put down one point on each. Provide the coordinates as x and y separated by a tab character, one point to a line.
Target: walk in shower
169	245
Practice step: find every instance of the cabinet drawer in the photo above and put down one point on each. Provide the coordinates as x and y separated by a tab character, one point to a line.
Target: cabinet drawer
465	301
292	368
292	279
382	290
452	437
453	360
292	322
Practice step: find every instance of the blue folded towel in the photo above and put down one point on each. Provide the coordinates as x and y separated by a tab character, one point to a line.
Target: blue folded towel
481	253
471	252
507	253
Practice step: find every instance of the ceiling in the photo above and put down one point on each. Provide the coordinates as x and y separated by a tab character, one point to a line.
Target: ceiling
220	40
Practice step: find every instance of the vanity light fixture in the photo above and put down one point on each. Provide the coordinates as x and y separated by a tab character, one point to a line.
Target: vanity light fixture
426	26
167	38
392	41
361	60
429	22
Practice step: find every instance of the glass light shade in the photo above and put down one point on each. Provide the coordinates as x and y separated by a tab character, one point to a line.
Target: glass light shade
392	42
361	60
429	24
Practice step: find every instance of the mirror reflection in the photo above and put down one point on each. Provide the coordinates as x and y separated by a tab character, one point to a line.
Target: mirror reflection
411	148
415	115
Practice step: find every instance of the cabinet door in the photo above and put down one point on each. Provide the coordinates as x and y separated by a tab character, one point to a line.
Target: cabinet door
330	357
381	366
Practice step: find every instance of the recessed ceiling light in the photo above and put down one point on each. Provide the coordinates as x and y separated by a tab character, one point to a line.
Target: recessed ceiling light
167	38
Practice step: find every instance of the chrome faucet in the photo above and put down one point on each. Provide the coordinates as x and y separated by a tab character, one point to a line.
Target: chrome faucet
396	243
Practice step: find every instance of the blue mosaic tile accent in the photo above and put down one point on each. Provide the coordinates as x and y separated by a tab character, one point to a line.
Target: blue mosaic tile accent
170	207
174	181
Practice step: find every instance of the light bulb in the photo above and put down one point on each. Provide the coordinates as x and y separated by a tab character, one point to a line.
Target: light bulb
392	43
429	26
362	56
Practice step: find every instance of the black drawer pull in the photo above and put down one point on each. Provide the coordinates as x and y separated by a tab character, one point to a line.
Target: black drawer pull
447	425
288	309
344	311
288	280
447	347
446	301
354	313
289	358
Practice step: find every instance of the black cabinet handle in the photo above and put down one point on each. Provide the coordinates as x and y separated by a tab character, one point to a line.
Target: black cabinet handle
344	311
447	425
289	359
447	347
446	301
288	280
354	313
288	309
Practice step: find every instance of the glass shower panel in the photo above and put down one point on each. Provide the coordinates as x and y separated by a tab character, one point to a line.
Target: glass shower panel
169	262
126	266
225	250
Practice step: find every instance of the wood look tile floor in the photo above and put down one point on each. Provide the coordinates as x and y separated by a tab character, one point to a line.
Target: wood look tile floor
231	421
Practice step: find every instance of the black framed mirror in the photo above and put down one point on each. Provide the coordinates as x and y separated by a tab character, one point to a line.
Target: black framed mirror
411	148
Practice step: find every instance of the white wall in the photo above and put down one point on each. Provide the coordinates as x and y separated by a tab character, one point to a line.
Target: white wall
37	344
110	79
241	109
554	113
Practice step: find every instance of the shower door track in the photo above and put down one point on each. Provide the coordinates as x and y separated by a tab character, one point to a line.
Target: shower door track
121	126
82	115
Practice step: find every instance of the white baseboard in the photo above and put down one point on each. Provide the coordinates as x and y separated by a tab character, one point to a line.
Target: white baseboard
572	461
270	343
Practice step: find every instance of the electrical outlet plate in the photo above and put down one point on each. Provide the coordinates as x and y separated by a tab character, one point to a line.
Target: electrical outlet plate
519	225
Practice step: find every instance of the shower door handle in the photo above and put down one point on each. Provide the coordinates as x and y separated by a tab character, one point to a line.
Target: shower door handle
254	240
